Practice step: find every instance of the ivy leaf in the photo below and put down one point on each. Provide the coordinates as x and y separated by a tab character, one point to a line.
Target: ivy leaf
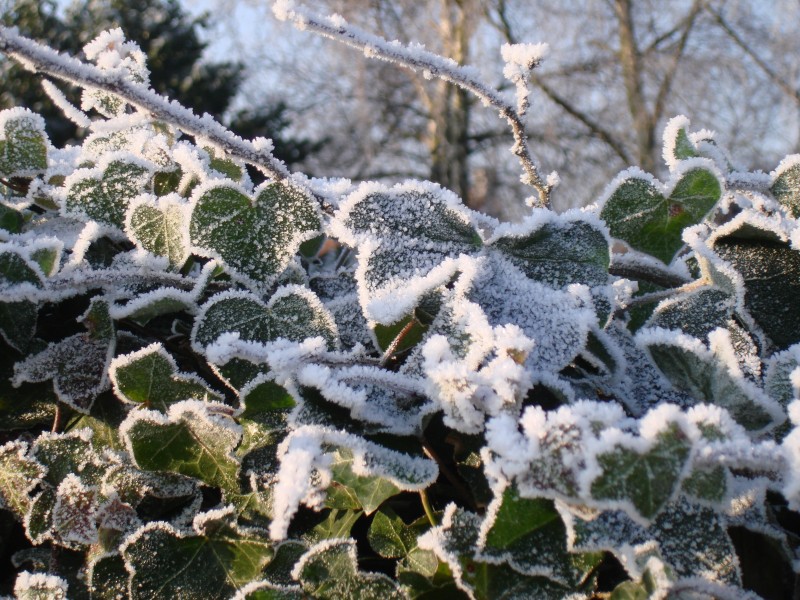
455	542
23	143
529	536
559	252
403	252
150	377
371	491
213	561
74	513
644	479
18	323
293	313
329	571
68	453
652	218
11	220
19	475
103	193
337	525
195	438
786	184
771	274
40	586
255	238
266	590
159	226
390	537
77	365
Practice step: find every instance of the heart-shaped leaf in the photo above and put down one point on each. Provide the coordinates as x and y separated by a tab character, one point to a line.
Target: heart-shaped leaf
159	226
293	313
195	438
786	184
650	217
151	377
104	192
23	143
255	238
213	561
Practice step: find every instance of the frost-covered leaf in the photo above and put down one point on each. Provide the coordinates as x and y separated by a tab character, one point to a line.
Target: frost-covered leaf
40	586
786	184
339	294
651	217
195	438
266	590
337	525
711	374
107	577
771	274
692	539
371	491
643	473
213	561
159	225
255	238
329	571
103	193
390	537
16	269
780	381
77	365
455	543
19	475
23	143
293	313
224	166
74	513
151	377
529	536
557	251
405	235
11	220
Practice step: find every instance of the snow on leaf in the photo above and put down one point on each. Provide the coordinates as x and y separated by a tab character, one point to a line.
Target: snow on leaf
339	294
390	537
150	376
329	571
692	540
407	237
68	453
159	225
650	216
306	457
529	536
255	238
74	513
677	144
782	379
23	143
103	193
455	543
266	590
194	438
711	374
370	491
19	475
212	561
293	313
642	473
786	184
40	586
77	365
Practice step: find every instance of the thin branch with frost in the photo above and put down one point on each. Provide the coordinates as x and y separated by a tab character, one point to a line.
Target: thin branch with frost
45	60
416	58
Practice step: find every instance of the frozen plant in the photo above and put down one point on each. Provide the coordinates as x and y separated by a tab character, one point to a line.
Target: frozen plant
304	388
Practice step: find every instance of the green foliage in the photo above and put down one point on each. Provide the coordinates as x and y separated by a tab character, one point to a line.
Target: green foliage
468	408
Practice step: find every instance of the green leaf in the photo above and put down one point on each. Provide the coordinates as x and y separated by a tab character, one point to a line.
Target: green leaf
638	213
786	185
646	480
19	475
224	166
371	492
337	524
159	226
771	273
104	193
18	323
329	571
23	143
65	453
265	590
293	313
107	578
684	148
255	238
212	562
560	253
195	439
77	365
528	535
16	269
389	536
10	220
150	377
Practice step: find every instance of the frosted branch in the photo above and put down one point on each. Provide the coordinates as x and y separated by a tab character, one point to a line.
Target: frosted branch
415	58
45	60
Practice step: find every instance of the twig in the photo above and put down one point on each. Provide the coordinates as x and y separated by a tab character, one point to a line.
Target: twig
397	341
46	60
432	65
